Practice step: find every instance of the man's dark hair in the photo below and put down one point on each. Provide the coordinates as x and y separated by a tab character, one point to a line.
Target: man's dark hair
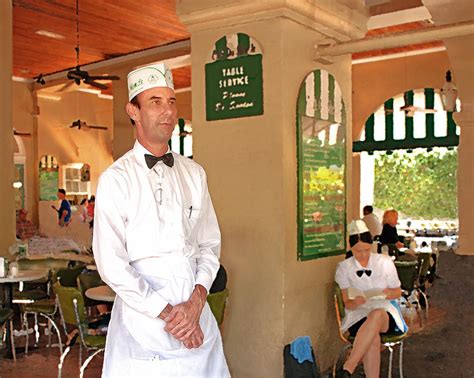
365	237
62	191
368	209
134	101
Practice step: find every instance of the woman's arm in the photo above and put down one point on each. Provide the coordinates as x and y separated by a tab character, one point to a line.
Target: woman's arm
393	293
352	304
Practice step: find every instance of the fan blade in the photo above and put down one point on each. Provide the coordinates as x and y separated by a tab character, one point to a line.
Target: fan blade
97	127
77	74
95	84
65	86
20	133
104	77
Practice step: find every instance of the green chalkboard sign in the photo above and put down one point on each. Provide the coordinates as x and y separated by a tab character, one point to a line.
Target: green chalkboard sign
321	129
234	84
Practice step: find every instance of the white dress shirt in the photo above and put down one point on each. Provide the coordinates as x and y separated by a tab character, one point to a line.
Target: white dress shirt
384	275
373	224
156	236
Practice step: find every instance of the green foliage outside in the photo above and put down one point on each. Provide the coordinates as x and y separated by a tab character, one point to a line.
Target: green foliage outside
420	184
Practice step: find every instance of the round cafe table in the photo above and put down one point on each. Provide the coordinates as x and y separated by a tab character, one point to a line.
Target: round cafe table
101	293
24	275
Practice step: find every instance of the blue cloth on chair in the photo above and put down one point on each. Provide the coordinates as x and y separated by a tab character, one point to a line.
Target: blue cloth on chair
397	306
300	349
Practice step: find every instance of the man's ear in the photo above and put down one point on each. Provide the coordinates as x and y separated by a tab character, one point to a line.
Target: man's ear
132	111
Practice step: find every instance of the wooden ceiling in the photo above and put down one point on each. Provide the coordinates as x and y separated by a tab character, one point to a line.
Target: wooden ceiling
107	29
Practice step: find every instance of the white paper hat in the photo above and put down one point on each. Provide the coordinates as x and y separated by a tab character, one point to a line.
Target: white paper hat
143	78
357	227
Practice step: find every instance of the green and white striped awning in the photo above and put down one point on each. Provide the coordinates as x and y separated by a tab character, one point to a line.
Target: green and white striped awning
427	125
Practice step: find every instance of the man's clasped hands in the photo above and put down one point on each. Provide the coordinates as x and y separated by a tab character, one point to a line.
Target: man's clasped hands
182	320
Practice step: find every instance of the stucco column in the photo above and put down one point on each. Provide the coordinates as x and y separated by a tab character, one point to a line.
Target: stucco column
463	69
7	196
252	174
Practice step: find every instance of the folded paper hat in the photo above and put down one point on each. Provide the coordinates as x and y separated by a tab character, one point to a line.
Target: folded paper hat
357	227
143	78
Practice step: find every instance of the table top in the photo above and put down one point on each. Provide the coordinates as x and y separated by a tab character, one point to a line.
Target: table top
101	293
25	275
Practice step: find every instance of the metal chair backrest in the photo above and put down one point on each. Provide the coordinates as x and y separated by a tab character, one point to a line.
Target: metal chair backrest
340	310
68	276
66	296
217	302
407	273
424	260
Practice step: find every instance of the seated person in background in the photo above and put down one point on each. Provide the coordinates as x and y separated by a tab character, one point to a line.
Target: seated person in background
367	319
84	203
372	221
25	229
389	233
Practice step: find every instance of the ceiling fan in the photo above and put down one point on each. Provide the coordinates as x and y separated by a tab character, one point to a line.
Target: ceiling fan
78	75
82	125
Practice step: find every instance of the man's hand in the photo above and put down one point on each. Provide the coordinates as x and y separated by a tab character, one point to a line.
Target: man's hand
183	319
195	340
165	313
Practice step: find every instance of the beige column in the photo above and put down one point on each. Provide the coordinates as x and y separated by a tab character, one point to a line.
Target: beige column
252	174
463	69
7	197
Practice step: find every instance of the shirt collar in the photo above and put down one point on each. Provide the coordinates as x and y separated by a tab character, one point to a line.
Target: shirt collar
139	151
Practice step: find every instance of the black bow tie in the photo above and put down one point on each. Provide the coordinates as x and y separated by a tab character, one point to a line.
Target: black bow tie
361	272
151	160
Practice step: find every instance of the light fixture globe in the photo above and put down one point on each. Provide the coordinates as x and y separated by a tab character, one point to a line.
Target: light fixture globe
449	94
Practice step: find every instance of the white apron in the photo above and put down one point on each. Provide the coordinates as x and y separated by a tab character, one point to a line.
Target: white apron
137	345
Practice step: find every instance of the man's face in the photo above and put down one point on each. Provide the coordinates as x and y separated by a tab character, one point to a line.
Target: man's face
157	116
60	195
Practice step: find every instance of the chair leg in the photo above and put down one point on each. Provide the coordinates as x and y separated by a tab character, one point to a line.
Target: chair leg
25	325
86	362
400	360
61	361
52	323
390	348
37	334
12	340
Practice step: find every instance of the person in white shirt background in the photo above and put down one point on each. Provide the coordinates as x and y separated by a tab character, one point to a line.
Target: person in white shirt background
157	245
367	319
372	221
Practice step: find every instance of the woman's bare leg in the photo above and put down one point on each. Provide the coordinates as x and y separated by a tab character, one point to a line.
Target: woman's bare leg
376	323
372	359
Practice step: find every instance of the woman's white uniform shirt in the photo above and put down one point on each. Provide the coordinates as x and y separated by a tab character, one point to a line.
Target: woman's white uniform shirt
155	237
384	275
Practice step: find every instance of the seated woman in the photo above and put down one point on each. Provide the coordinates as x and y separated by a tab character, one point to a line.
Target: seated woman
367	319
389	233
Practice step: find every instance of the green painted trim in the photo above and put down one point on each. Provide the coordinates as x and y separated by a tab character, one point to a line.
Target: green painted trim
388	105
410	142
331	100
317	93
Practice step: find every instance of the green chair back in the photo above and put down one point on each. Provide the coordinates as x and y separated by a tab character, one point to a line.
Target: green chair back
65	297
86	281
217	302
5	314
407	273
424	260
68	276
340	302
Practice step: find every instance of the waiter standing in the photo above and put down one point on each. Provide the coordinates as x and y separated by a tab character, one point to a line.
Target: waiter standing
157	245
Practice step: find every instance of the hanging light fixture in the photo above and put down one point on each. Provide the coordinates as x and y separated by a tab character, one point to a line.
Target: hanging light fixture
449	94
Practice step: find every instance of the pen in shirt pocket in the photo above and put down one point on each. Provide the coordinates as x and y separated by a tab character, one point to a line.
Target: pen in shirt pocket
190	211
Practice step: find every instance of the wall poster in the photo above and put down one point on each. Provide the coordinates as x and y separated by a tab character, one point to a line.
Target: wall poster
234	81
321	130
48	178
